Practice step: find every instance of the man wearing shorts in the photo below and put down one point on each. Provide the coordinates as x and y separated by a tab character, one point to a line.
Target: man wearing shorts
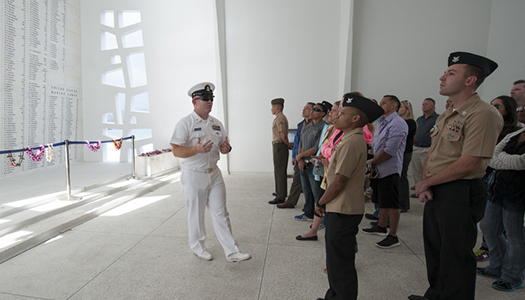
388	146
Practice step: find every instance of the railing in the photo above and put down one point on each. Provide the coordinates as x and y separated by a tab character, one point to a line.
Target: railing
66	143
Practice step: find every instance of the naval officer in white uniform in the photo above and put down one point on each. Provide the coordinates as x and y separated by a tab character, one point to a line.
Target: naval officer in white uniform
197	140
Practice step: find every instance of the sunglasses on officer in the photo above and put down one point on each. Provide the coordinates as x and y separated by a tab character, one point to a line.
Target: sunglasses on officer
520	108
205	98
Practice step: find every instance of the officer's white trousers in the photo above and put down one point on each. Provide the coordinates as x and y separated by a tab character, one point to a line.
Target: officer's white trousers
201	190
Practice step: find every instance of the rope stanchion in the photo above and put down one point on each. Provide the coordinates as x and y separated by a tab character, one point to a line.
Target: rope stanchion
133	157
102	142
24	149
62	144
50	147
68	171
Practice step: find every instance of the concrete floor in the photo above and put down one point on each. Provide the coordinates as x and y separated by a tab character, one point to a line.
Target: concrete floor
140	251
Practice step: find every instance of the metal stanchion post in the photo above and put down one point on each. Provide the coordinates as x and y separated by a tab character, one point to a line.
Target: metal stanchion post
68	175
133	157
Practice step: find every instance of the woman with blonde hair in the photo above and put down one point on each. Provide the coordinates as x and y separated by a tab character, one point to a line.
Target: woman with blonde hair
405	111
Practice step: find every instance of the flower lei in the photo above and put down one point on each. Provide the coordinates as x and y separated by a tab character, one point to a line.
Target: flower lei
39	153
117	145
13	162
50	152
156	152
94	147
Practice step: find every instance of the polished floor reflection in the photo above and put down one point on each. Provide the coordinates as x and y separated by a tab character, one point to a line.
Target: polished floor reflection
139	250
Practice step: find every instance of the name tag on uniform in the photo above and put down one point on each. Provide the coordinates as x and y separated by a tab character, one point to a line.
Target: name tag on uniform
197	129
216	127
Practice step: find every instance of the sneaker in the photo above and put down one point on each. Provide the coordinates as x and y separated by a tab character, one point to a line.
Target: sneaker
482	255
483	272
205	255
239	256
374	223
321	226
388	242
375	230
303	217
371	217
505	286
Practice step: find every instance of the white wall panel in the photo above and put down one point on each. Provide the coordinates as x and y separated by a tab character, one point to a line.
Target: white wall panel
506	46
401	47
275	48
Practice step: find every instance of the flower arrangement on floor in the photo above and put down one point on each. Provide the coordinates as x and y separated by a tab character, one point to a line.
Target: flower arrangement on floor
156	152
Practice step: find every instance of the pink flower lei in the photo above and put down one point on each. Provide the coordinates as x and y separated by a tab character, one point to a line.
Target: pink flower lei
39	153
94	147
156	152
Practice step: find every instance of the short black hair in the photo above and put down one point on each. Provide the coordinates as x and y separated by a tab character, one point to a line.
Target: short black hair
363	118
430	99
394	99
478	72
519	81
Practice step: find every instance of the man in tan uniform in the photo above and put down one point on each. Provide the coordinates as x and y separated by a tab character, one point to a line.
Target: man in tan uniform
343	203
463	142
281	148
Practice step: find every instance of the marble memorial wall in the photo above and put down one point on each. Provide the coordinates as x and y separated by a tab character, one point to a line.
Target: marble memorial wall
40	88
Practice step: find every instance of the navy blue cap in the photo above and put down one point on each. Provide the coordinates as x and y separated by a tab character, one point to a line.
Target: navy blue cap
371	110
487	65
